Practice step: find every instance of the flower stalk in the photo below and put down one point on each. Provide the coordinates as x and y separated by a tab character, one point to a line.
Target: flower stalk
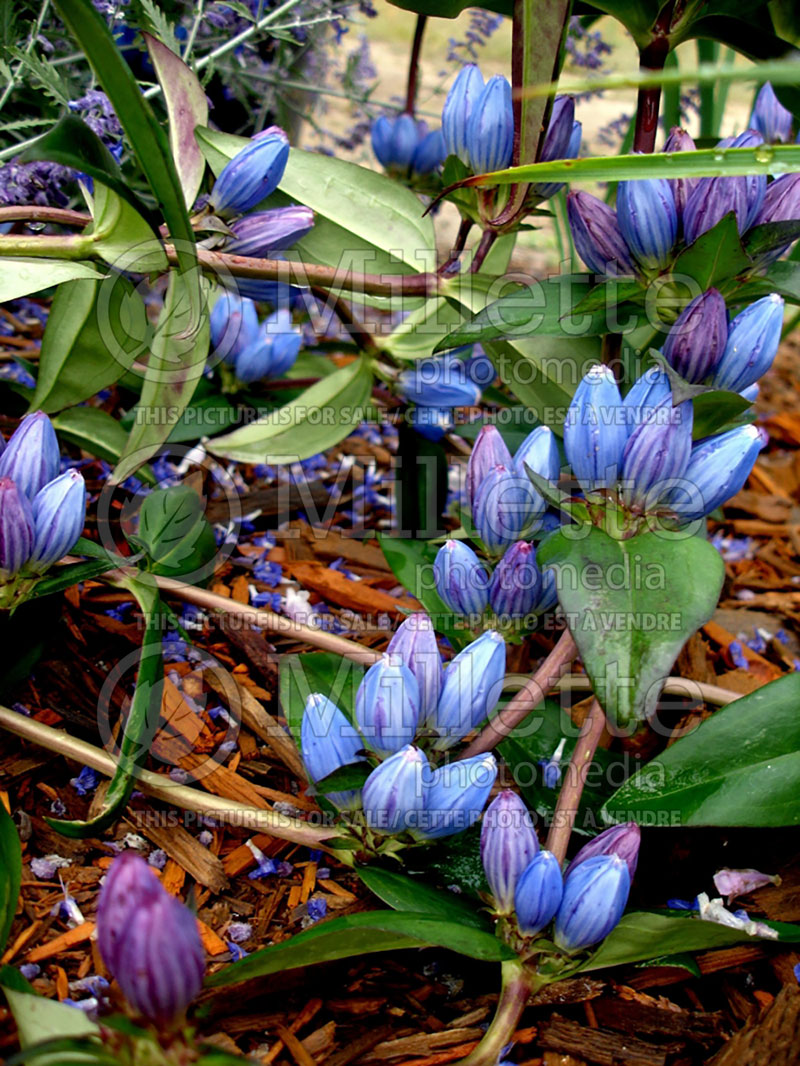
519	983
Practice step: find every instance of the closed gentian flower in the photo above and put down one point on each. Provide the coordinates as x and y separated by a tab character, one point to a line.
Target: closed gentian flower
781	201
538	894
59	514
696	341
709	201
647	392
327	743
285	350
456	794
461	579
562	141
16	528
656	454
508	843
595	431
253	174
718	468
680	141
458	107
272	352
393	797
490	130
506	507
429	153
595	894
431	422
539	453
516	582
548	597
648	220
473	682
772	120
621	840
415	644
597	236
234	325
479	368
488	452
31	457
752	344
149	941
263	233
755	184
387	706
438	383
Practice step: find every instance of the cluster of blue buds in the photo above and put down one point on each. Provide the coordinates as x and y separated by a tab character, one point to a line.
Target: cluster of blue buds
406	147
42	512
409	709
562	141
478	121
254	349
437	386
772	120
584	903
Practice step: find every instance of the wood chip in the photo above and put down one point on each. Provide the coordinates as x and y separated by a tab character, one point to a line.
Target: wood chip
79	935
774	1041
179	844
602	1046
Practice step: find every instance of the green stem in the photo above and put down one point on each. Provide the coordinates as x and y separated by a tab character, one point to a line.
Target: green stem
518	984
71	246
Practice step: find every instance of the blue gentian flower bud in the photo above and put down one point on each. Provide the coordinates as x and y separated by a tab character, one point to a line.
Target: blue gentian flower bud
718	468
752	345
438	383
508	844
393	797
750	393
234	325
709	201
548	597
456	794
263	233
488	452
595	894
490	131
516	582
538	895
647	392
255	361
680	141
479	368
327	743
149	941
621	840
506	507
275	293
461	579
387	706
696	341
272	352
252	175
395	140
657	452
597	236
31	457
755	184
781	201
59	514
16	528
648	220
458	107
772	120
595	430
539	453
562	141
431	422
429	153
285	350
415	644
473	682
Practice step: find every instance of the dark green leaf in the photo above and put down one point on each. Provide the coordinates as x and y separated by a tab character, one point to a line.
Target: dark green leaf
66	576
175	534
769	236
320	671
715	410
739	767
457	861
613	292
404	893
351	776
204	417
10	872
715	256
97	432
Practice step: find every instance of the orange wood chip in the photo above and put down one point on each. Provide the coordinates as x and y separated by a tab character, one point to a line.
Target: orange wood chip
354	595
309	880
173	877
213	943
79	935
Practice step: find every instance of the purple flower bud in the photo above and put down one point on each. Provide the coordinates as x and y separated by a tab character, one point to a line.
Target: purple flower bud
656	454
415	644
697	340
59	514
328	742
718	468
648	220
394	796
387	706
31	457
438	383
595	894
548	597
458	107
539	891
16	528
539	453
680	141
488	452
252	175
709	201
562	141
597	236
772	120
456	794
508	844
752	345
264	233
234	325
431	422
595	430
621	840
755	184
516	582
461	579
149	941
733	883
490	130
473	682
646	393
506	508
781	201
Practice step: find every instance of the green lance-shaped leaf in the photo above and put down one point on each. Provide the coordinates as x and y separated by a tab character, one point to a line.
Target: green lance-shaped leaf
404	893
10	872
39	1019
98	433
23	277
630	606
741	767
